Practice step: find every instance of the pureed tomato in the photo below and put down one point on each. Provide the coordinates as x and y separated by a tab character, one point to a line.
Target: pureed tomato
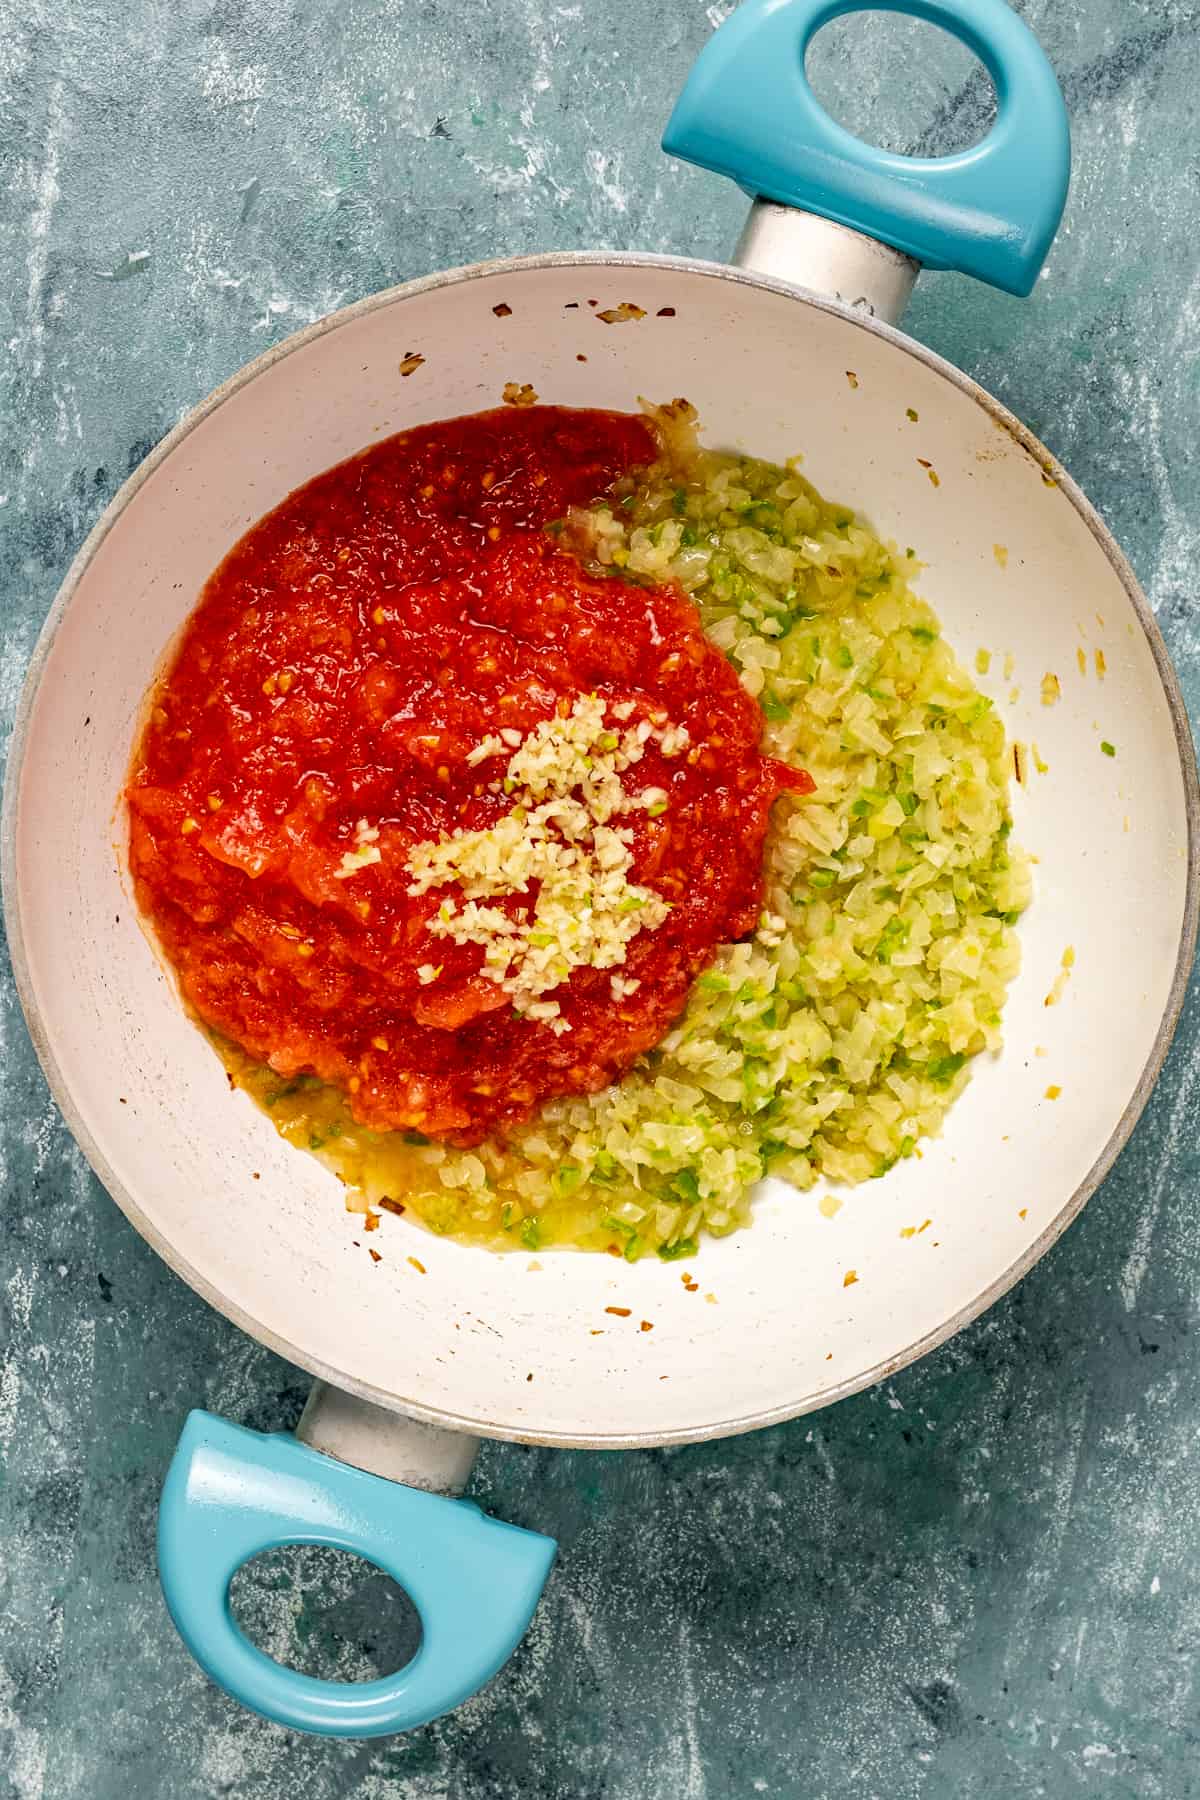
327	714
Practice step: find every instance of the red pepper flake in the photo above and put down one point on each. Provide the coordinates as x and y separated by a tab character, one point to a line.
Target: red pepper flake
923	463
256	1176
503	311
418	1266
392	1206
593	303
571	306
373	1254
665	312
618	1312
579	356
529	1377
371	1222
124	1101
410	362
646	1325
849	1278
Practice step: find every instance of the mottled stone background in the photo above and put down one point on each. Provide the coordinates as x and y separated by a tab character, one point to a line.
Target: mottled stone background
979	1580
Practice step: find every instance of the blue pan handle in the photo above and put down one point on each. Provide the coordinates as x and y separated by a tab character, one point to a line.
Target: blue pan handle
231	1494
747	111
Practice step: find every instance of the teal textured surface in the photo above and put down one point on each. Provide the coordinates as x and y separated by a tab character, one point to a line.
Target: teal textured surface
977	1579
991	210
231	1494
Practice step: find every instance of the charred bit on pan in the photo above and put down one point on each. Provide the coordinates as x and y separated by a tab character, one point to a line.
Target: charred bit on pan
622	314
503	311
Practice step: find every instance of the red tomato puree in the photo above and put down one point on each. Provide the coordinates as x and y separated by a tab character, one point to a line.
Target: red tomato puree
342	664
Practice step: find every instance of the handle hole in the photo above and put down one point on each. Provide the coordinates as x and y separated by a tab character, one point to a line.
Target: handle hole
325	1613
901	84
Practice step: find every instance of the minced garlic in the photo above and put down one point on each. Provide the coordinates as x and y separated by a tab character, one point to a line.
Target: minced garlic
565	783
365	853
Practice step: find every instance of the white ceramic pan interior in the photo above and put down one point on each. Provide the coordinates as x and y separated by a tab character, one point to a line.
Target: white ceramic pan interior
524	1347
